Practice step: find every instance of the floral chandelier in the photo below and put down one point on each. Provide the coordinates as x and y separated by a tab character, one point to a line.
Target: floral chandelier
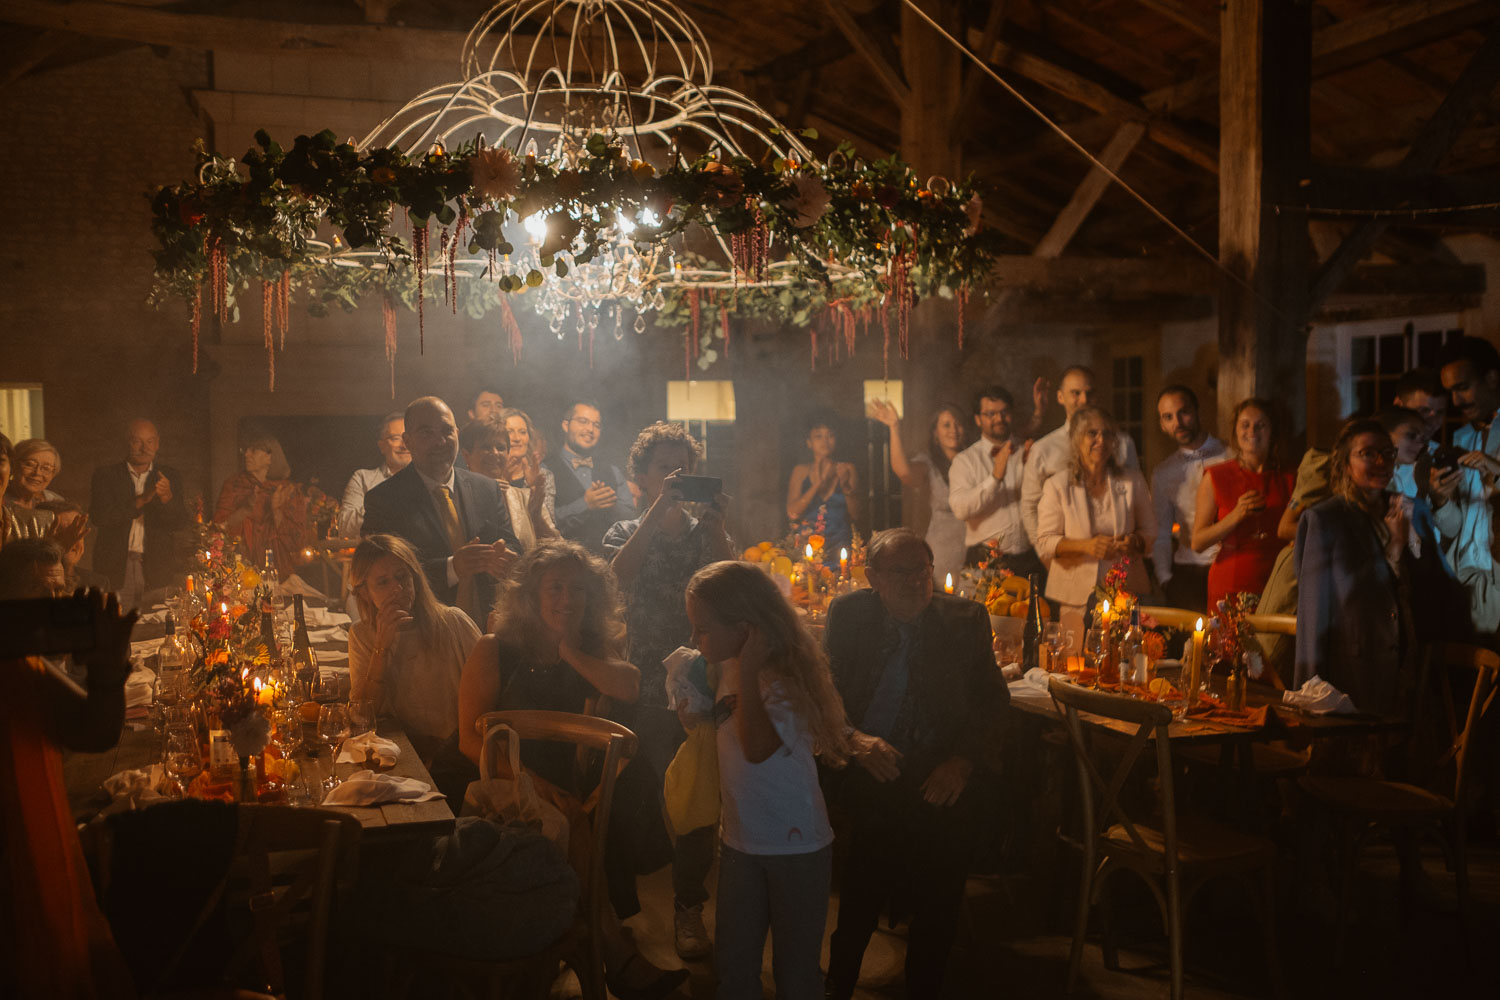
586	157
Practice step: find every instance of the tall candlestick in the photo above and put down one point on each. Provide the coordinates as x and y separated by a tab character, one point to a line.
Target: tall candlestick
1195	667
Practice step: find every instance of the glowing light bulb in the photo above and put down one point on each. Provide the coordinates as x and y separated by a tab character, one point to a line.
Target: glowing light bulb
625	225
536	226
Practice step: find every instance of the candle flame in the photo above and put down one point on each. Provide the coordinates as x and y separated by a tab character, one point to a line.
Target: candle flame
1106	606
1199	626
948	584
809	551
223	607
843	555
257	685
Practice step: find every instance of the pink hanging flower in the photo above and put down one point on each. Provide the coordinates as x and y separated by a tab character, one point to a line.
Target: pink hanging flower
810	201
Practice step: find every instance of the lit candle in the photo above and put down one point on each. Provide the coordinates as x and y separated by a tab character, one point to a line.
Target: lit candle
844	563
1195	667
809	552
948	584
1104	614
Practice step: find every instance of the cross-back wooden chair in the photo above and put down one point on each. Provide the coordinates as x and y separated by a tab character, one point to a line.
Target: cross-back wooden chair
1174	855
1363	806
283	871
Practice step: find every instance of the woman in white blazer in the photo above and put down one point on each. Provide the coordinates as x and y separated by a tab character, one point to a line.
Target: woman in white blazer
1093	515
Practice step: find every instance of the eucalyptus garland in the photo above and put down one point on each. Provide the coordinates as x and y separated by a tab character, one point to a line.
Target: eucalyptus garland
279	217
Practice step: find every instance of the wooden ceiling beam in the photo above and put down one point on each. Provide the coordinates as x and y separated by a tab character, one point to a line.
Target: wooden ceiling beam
1474	84
1068	221
26	50
888	74
1200	23
1331	189
234	34
1091	94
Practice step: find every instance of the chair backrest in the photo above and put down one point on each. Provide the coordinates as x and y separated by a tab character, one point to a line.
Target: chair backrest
1273	624
586	732
1486	666
1178	618
1101	794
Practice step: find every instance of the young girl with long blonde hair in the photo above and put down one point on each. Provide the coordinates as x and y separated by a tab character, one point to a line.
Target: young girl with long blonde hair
776	708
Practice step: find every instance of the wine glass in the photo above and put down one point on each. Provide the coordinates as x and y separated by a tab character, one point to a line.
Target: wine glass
361	716
333	725
1093	650
1056	642
183	759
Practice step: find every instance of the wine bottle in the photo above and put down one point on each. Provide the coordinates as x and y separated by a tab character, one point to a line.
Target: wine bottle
272	576
1133	660
304	660
1031	637
172	662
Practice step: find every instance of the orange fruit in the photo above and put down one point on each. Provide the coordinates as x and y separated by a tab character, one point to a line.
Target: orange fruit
752	554
816	541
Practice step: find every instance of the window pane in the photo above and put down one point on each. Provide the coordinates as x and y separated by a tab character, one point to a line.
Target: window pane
1392	354
1136	364
1364	394
1362	355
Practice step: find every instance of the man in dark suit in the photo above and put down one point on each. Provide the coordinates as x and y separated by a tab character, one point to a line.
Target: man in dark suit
919	681
455	519
591	494
136	506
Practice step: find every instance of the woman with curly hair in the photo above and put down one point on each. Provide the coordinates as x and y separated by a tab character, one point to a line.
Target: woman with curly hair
777	706
556	646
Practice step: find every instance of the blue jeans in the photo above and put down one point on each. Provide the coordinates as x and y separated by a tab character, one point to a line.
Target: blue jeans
786	894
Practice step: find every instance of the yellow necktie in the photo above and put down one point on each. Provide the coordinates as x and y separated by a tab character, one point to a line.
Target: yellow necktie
449	515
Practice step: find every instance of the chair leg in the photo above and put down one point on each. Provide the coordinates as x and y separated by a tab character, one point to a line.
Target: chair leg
1107	931
1267	901
1174	933
1080	924
1350	847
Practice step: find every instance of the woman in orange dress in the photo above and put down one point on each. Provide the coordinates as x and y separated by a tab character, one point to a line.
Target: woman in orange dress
56	942
261	505
1240	503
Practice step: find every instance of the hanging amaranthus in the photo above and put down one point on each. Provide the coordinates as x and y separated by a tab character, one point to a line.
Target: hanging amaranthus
284	305
963	304
509	327
268	316
812	333
197	323
899	289
724	324
388	313
450	256
695	305
752	248
218	278
419	256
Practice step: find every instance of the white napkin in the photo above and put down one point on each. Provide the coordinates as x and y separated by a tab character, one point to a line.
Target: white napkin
355	747
1320	698
324	617
139	687
327	635
294	584
130	790
1037	677
144	648
155	615
367	788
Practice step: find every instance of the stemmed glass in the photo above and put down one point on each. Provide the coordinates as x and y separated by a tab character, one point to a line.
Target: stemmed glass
1055	641
361	717
183	759
1093	651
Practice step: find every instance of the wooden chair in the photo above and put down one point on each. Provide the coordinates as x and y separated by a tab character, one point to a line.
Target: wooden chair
1363	806
1175	857
580	948
283	872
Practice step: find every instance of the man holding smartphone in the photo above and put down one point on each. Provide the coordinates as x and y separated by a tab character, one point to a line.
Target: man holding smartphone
137	505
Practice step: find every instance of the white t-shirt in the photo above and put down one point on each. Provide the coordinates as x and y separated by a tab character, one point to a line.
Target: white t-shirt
776	806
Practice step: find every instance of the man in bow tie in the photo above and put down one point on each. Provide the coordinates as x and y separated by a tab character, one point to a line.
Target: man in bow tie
591	494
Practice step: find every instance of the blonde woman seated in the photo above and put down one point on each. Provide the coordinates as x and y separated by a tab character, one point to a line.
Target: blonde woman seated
407	651
1093	516
557	646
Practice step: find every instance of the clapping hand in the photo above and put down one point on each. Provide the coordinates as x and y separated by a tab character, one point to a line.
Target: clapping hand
1100	546
483	557
69	534
599	496
1250	502
163	490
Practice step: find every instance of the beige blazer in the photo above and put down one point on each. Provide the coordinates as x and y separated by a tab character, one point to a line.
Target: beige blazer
1064	513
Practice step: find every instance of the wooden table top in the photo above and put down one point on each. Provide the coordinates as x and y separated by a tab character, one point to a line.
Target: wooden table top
138	749
1289	722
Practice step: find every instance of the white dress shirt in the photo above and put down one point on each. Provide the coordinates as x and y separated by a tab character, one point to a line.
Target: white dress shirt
352	510
1174	495
989	507
138	523
1052	454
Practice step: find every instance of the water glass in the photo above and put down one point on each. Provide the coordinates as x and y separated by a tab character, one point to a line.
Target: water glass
1056	642
183	758
361	716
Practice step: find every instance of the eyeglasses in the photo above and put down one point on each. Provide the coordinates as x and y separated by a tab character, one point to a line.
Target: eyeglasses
32	465
1376	454
586	422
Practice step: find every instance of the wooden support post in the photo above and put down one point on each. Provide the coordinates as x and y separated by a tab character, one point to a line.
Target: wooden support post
1265	69
933	69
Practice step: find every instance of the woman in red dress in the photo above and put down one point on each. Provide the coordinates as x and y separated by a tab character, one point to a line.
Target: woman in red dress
1239	505
264	507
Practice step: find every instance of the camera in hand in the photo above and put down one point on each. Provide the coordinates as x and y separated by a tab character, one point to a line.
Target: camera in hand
47	626
698	489
1446	457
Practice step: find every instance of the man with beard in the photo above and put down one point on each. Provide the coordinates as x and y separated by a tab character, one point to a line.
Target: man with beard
591	494
1470	371
1182	573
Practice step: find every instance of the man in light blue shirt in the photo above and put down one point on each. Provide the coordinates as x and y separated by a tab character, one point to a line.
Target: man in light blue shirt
1461	496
